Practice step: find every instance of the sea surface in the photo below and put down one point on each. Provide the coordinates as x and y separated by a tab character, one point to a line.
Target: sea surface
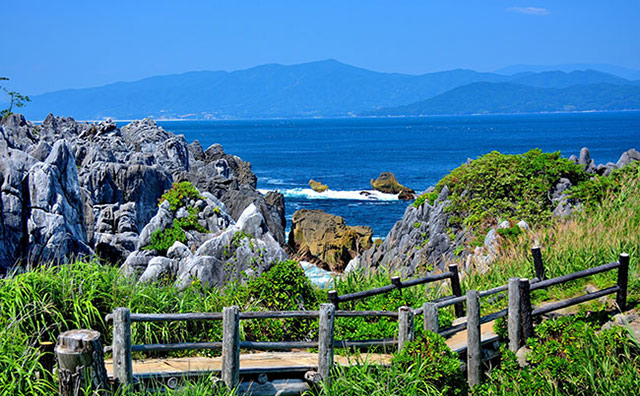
346	153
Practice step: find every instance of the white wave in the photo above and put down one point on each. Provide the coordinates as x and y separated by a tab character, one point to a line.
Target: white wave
274	181
357	195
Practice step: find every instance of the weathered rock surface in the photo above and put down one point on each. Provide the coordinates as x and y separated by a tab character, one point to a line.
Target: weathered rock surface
418	241
72	189
317	186
387	183
326	240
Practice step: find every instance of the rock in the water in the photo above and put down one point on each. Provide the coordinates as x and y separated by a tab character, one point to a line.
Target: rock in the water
317	186
326	240
388	184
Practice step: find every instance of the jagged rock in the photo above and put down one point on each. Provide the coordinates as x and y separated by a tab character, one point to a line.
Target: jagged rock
326	239
388	184
159	268
627	157
55	225
317	186
504	224
585	156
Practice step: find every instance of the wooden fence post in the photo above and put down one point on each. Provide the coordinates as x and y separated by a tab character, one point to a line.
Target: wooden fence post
333	298
515	315
456	289
537	263
326	341
474	345
431	321
395	281
231	346
405	327
623	278
525	309
81	363
122	366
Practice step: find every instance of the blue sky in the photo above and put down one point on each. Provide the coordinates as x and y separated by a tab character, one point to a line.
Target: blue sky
49	45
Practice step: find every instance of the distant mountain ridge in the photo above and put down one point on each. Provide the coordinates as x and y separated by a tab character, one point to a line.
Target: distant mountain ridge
492	98
317	89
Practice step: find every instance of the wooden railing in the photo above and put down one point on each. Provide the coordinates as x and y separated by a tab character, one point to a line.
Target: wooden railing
520	321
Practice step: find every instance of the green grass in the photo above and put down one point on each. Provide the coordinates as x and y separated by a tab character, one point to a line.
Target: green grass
38	305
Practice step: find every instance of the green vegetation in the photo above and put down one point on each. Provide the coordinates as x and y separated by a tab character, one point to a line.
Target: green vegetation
178	197
569	356
498	186
426	197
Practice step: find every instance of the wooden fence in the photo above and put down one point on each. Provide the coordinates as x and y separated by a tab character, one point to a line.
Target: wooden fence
520	314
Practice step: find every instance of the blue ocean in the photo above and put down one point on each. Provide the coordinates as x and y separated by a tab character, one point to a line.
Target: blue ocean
346	154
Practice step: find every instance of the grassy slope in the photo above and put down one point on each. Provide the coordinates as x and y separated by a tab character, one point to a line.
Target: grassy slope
38	305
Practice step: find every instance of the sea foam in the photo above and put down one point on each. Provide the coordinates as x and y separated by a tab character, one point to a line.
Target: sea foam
357	195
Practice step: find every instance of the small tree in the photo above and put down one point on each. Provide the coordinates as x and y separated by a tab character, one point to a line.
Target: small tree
15	99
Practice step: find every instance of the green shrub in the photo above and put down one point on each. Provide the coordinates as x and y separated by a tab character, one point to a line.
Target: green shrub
569	357
442	368
284	287
178	197
426	197
180	194
593	191
506	186
511	233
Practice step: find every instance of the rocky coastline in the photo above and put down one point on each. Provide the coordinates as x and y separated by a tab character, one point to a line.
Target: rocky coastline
72	189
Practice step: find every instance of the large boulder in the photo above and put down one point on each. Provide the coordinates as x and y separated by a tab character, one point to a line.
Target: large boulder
388	184
326	240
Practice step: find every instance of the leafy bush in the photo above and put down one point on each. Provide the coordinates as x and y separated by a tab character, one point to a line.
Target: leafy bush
178	197
497	186
593	191
443	365
284	287
570	358
425	197
180	194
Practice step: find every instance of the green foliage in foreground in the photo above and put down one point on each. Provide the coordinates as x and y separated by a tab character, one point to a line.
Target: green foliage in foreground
38	305
570	357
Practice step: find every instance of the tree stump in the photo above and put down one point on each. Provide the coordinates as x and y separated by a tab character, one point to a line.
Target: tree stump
81	368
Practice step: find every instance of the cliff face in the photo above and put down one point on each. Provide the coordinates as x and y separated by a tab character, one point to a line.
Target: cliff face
465	217
73	189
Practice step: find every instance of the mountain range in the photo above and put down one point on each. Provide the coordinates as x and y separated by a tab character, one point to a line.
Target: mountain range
333	89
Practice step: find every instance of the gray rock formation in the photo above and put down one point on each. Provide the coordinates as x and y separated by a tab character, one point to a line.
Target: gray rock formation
236	251
420	239
72	189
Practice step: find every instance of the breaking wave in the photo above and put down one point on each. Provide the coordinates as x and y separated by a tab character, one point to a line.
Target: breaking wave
357	195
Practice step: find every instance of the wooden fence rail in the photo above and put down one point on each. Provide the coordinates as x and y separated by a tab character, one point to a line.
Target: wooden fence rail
520	315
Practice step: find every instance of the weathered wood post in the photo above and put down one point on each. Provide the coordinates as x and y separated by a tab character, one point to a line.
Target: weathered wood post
326	341
456	289
333	298
537	262
623	278
81	364
231	346
431	321
474	346
525	309
405	327
122	366
514	319
397	283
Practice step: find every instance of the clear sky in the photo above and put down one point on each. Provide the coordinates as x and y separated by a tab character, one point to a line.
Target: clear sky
50	45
